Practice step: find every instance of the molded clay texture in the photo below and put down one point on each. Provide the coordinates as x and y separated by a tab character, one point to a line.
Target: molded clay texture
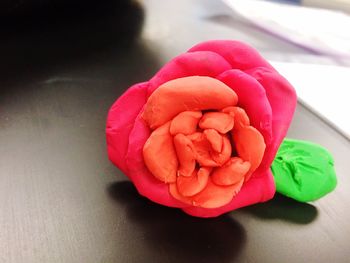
303	171
202	133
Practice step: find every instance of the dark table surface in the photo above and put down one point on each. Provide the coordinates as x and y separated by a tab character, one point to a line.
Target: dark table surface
61	200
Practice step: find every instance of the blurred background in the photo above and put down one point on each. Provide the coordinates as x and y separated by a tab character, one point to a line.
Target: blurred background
297	36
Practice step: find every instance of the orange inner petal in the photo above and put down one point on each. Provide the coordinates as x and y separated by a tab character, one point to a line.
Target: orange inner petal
214	196
185	155
175	193
159	155
240	116
222	157
189	186
214	138
202	148
188	93
231	173
250	145
219	121
185	122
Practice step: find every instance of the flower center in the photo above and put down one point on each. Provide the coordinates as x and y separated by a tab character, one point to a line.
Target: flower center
204	155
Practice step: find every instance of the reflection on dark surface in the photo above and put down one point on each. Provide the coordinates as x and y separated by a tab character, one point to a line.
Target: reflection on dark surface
281	207
35	38
185	238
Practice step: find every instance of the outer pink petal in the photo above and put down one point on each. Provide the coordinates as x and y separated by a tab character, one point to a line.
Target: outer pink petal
202	63
239	55
256	190
252	98
145	183
283	99
120	121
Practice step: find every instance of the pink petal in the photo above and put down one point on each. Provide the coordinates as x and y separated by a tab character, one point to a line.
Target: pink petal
283	99
239	55
203	63
252	98
120	121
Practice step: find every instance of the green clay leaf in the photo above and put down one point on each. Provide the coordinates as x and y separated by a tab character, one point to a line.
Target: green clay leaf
303	171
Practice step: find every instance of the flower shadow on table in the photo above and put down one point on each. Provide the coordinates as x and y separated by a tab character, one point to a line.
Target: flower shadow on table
284	208
186	238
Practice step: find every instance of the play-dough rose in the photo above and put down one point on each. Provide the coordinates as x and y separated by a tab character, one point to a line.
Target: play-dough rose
202	133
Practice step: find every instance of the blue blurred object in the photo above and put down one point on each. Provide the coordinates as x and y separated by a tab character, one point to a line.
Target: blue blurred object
287	1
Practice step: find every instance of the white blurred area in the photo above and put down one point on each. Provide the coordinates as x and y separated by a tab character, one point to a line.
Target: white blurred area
319	30
323	88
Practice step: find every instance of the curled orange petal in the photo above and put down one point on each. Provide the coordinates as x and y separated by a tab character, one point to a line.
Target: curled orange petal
214	196
185	122
222	157
240	116
176	194
202	149
219	121
185	155
231	172
250	146
188	93
214	138
159	154
189	186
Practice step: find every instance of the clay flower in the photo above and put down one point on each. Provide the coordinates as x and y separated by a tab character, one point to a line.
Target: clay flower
202	133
